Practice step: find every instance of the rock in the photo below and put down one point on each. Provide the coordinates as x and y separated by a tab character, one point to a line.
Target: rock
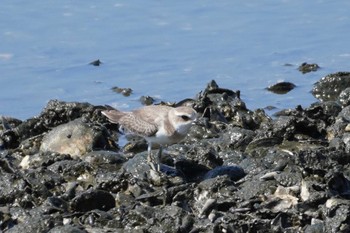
281	87
147	100
330	86
96	63
55	113
108	160
137	166
66	229
344	97
233	172
93	199
124	91
236	171
306	68
42	159
339	186
75	138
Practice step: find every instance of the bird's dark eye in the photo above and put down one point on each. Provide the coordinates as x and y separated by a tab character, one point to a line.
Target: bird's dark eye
185	118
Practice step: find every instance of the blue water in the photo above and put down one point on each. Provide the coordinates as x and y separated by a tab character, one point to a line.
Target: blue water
166	49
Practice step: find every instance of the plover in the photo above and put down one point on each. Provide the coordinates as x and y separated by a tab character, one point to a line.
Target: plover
158	124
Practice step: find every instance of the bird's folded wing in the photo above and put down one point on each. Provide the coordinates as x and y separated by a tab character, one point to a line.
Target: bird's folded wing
113	115
138	126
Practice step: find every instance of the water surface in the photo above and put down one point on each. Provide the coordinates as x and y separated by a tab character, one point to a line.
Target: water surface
166	49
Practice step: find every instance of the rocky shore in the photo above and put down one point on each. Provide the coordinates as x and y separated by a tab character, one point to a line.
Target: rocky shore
237	171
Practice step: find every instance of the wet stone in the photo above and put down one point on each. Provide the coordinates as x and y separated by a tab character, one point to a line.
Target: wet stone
67	229
93	199
11	187
339	186
344	97
330	86
236	171
191	170
281	88
7	123
206	156
42	159
75	138
344	114
125	91
137	166
306	68
34	224
236	138
96	63
71	169
146	100
108	160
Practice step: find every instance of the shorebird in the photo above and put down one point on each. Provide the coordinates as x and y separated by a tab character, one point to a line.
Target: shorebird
158	124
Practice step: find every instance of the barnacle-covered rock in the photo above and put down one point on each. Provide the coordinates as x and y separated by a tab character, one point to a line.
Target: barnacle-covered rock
330	86
236	171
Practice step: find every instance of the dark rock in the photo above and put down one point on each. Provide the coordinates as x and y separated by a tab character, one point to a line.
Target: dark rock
236	138
146	100
306	68
34	224
95	219
339	186
344	97
42	160
93	199
67	229
96	63
191	170
107	160
11	187
55	113
137	166
205	156
234	172
281	88
317	227
330	86
7	123
125	91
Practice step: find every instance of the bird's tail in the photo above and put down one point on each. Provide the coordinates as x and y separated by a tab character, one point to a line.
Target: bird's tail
112	114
